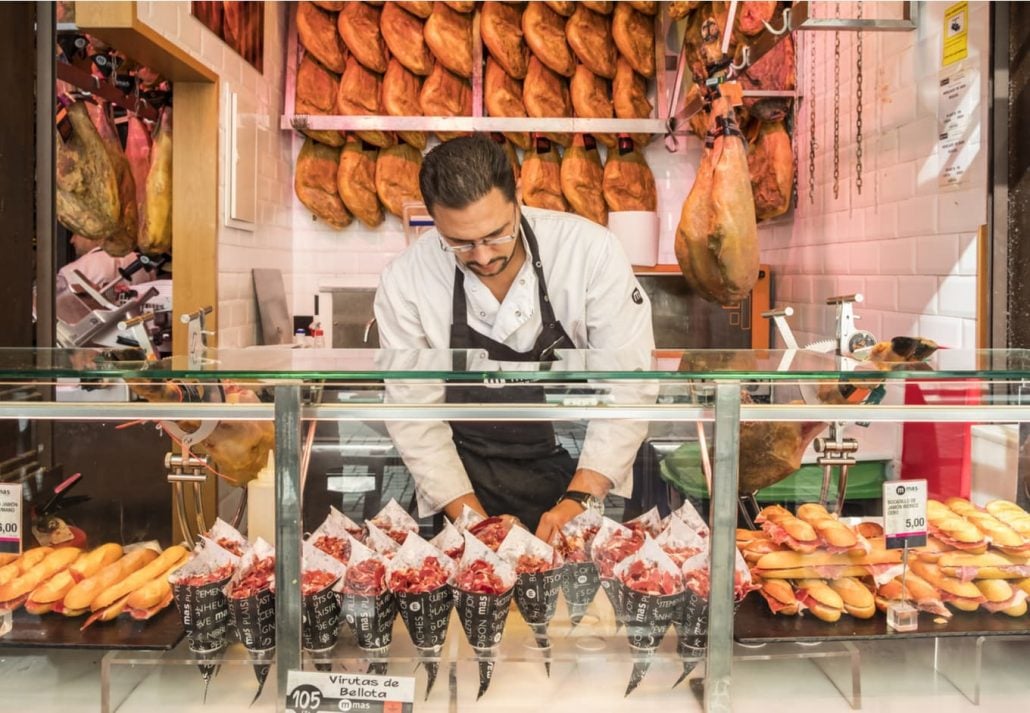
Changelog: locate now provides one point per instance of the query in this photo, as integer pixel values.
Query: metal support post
(723, 523)
(287, 535)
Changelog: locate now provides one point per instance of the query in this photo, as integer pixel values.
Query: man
(518, 284)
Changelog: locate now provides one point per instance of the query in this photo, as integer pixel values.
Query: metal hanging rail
(88, 83)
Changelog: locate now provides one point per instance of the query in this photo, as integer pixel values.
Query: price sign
(10, 519)
(313, 692)
(904, 513)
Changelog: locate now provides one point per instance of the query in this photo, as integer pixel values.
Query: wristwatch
(589, 501)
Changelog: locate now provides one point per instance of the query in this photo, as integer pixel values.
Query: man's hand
(553, 520)
(453, 508)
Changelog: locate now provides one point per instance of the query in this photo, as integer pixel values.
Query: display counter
(341, 419)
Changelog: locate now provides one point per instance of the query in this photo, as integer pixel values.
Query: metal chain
(858, 108)
(836, 109)
(810, 37)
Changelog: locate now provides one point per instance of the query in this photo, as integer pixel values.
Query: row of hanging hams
(357, 179)
(118, 195)
(564, 59)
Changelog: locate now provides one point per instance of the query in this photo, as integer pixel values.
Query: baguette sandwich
(952, 529)
(1012, 515)
(1001, 536)
(79, 598)
(917, 590)
(788, 564)
(961, 595)
(820, 599)
(834, 535)
(779, 595)
(14, 593)
(46, 595)
(966, 566)
(143, 593)
(858, 600)
(786, 529)
(21, 564)
(1000, 596)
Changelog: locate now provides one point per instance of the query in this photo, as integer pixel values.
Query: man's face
(492, 216)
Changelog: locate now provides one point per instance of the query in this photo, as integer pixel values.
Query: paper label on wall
(904, 513)
(958, 123)
(956, 34)
(10, 519)
(313, 692)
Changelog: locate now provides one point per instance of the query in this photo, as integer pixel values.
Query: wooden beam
(118, 24)
(195, 205)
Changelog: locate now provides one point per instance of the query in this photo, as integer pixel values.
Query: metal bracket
(835, 451)
(187, 469)
(848, 338)
(196, 336)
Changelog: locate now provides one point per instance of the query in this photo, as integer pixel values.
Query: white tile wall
(906, 243)
(270, 244)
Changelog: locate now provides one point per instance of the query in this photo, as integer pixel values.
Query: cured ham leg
(717, 236)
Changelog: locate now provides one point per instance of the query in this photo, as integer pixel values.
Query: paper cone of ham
(334, 535)
(483, 588)
(395, 521)
(251, 594)
(319, 604)
(228, 537)
(690, 516)
(650, 523)
(491, 531)
(468, 518)
(613, 544)
(580, 580)
(368, 606)
(450, 541)
(538, 571)
(651, 592)
(420, 577)
(198, 588)
(382, 543)
(691, 622)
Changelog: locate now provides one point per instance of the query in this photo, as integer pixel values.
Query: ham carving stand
(835, 451)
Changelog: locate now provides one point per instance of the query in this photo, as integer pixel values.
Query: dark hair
(463, 170)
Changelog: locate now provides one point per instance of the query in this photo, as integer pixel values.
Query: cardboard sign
(10, 519)
(312, 692)
(904, 513)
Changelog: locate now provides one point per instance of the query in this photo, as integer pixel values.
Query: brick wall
(906, 244)
(270, 243)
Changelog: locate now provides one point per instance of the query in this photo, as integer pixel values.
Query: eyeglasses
(470, 245)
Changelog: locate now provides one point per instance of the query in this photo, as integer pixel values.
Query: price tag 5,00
(10, 519)
(904, 513)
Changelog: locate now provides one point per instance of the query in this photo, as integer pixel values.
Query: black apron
(516, 468)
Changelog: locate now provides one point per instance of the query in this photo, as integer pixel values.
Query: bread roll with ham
(14, 593)
(817, 596)
(789, 564)
(916, 589)
(1012, 515)
(779, 595)
(960, 595)
(858, 600)
(952, 529)
(1000, 596)
(784, 528)
(21, 564)
(966, 566)
(834, 535)
(78, 599)
(1000, 535)
(43, 597)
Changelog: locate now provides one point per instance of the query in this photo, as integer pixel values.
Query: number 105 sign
(904, 513)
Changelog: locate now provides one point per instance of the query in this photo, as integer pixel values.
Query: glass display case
(728, 433)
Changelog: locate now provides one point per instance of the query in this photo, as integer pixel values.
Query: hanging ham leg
(156, 234)
(137, 151)
(87, 187)
(717, 237)
(122, 240)
(771, 162)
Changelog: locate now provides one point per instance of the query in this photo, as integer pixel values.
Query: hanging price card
(313, 692)
(10, 519)
(904, 513)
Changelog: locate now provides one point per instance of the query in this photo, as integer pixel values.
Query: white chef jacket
(595, 296)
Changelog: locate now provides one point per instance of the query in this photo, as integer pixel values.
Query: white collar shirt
(595, 296)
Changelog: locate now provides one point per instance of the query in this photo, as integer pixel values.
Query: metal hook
(786, 24)
(736, 69)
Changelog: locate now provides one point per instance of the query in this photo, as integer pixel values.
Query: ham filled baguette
(917, 590)
(834, 535)
(46, 595)
(858, 600)
(952, 529)
(1000, 535)
(1002, 597)
(1012, 515)
(960, 595)
(788, 564)
(153, 596)
(817, 596)
(14, 593)
(779, 595)
(966, 566)
(157, 567)
(28, 559)
(784, 528)
(81, 596)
